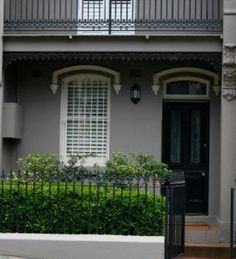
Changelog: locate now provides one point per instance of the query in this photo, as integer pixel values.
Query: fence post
(175, 218)
(231, 222)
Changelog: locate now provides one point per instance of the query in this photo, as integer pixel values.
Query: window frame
(63, 116)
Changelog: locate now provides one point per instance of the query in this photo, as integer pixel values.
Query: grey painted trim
(113, 44)
(230, 12)
(146, 35)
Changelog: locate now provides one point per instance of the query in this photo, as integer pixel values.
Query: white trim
(85, 76)
(159, 75)
(186, 96)
(63, 116)
(63, 124)
(173, 72)
(92, 69)
(57, 73)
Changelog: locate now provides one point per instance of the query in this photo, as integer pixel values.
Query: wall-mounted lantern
(135, 94)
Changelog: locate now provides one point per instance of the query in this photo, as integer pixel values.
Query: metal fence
(233, 224)
(113, 16)
(94, 204)
(175, 224)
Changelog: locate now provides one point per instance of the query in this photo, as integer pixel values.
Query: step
(206, 250)
(203, 231)
(187, 257)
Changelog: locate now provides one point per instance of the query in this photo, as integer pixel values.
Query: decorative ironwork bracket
(212, 60)
(229, 72)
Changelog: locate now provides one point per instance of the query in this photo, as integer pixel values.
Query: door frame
(164, 151)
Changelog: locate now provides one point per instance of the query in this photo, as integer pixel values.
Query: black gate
(233, 224)
(175, 220)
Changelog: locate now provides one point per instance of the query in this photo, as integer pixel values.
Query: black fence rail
(94, 204)
(233, 223)
(113, 16)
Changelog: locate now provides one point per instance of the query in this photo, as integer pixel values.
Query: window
(122, 9)
(186, 87)
(99, 15)
(93, 10)
(85, 112)
(99, 9)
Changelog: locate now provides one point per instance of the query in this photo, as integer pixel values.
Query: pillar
(228, 111)
(1, 73)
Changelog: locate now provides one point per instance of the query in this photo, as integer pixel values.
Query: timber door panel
(185, 148)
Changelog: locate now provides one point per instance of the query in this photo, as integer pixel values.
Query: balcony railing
(113, 16)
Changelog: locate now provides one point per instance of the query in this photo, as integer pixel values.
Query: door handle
(203, 174)
(205, 145)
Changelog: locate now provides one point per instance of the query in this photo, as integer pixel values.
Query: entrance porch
(40, 94)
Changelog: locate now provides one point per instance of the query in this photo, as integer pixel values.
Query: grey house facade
(68, 69)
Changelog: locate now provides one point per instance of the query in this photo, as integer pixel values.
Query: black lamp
(135, 94)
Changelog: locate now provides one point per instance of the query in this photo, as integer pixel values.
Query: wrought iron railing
(113, 16)
(93, 204)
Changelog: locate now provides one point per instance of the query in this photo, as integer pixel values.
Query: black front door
(185, 149)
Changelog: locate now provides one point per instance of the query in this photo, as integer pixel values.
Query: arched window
(85, 117)
(186, 83)
(186, 88)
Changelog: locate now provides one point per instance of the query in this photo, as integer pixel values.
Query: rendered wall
(132, 127)
(1, 74)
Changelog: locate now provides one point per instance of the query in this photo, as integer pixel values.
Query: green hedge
(80, 209)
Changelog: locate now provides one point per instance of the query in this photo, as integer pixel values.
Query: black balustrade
(113, 16)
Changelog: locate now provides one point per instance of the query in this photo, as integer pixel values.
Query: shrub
(47, 167)
(39, 166)
(137, 165)
(76, 208)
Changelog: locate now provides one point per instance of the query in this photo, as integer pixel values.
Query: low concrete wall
(81, 246)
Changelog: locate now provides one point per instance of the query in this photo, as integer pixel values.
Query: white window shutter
(88, 120)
